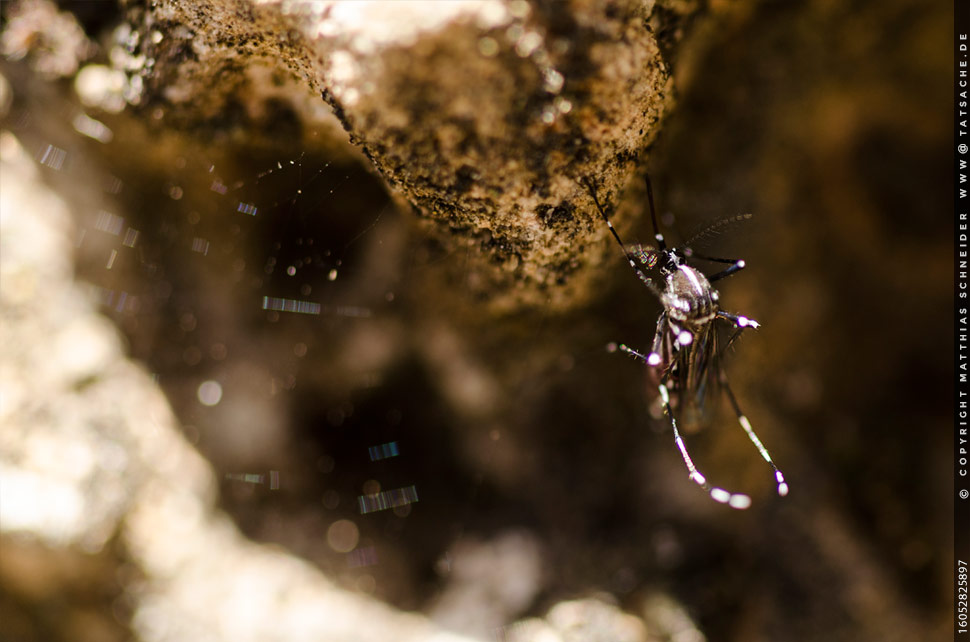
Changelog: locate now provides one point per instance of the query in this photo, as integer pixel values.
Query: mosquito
(685, 348)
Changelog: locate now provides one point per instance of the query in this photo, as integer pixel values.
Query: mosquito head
(669, 260)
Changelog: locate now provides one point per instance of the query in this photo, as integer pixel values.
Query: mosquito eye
(647, 257)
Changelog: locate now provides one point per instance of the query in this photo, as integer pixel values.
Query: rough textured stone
(824, 120)
(483, 115)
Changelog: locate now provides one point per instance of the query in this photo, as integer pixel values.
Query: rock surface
(262, 279)
(483, 115)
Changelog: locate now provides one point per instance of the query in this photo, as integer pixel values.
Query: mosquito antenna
(653, 215)
(717, 227)
(592, 192)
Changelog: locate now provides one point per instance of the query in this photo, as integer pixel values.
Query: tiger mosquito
(685, 344)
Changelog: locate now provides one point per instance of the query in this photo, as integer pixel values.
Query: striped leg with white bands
(734, 500)
(779, 477)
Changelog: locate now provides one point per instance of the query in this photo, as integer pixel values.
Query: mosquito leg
(741, 323)
(655, 358)
(779, 477)
(734, 500)
(661, 243)
(739, 320)
(631, 256)
(727, 344)
(633, 353)
(647, 281)
(735, 264)
(692, 254)
(738, 265)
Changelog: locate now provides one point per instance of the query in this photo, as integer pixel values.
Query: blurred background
(482, 470)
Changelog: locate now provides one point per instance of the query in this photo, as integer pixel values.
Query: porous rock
(483, 115)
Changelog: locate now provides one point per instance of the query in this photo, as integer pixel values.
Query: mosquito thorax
(689, 297)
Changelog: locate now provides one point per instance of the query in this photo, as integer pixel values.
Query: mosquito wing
(694, 377)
